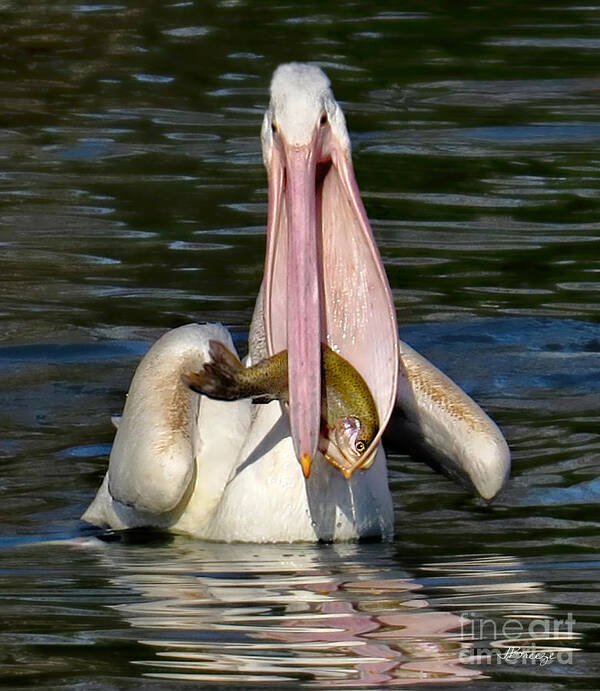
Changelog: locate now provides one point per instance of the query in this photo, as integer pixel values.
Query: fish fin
(218, 378)
(222, 357)
(199, 382)
(264, 398)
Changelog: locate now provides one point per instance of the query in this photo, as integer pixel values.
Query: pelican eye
(360, 446)
(324, 120)
(274, 127)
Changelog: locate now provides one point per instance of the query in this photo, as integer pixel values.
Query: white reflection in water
(336, 615)
(506, 618)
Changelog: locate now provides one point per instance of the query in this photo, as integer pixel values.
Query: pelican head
(324, 279)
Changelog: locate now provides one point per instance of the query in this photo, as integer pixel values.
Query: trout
(349, 420)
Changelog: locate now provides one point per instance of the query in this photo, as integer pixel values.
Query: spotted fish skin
(345, 393)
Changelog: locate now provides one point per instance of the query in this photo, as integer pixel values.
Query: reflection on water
(338, 616)
(333, 614)
(133, 200)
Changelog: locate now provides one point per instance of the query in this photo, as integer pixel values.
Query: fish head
(347, 444)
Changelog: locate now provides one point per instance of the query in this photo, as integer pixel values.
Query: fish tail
(220, 378)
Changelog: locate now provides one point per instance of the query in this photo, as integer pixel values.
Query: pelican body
(235, 470)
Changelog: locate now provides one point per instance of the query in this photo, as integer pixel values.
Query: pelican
(239, 471)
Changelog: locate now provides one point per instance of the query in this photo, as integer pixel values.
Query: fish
(349, 415)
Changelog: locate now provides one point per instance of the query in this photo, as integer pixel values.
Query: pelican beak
(324, 279)
(294, 291)
(306, 463)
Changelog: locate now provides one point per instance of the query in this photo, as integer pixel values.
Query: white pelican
(229, 470)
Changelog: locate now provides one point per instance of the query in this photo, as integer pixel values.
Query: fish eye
(324, 120)
(360, 446)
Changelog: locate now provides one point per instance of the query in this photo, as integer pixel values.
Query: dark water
(133, 200)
